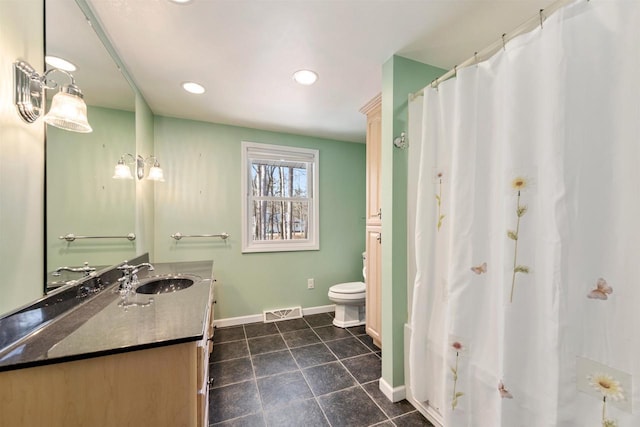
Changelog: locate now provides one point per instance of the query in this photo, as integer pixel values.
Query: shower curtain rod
(527, 26)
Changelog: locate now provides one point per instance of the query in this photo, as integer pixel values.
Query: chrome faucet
(84, 269)
(129, 277)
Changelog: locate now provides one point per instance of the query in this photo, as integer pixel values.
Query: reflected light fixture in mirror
(123, 171)
(68, 110)
(156, 173)
(59, 63)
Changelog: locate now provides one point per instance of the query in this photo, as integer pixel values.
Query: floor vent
(282, 314)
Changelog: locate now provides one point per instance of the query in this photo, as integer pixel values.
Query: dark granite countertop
(102, 324)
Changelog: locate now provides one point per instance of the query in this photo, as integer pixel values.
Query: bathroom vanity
(107, 359)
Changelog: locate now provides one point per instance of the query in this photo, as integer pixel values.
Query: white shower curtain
(527, 296)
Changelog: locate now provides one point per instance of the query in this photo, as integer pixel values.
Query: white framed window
(280, 198)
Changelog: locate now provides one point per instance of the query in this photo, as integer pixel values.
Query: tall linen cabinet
(373, 111)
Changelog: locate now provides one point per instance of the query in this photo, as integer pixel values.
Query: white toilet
(349, 299)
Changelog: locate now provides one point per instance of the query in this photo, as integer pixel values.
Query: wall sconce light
(123, 171)
(68, 110)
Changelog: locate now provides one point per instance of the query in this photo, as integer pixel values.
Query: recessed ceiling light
(181, 1)
(305, 77)
(59, 63)
(193, 87)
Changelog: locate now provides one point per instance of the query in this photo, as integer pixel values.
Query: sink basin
(166, 284)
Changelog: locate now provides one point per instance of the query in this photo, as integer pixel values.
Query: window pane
(280, 198)
(279, 179)
(280, 220)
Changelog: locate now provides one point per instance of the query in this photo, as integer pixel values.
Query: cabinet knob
(379, 238)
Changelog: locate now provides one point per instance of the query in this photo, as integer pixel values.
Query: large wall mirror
(82, 198)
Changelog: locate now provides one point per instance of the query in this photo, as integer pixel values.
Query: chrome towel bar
(178, 235)
(71, 237)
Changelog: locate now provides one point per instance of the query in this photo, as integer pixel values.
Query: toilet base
(347, 316)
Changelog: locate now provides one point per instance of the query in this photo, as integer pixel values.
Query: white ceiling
(245, 51)
(69, 36)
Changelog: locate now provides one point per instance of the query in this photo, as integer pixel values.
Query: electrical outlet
(310, 284)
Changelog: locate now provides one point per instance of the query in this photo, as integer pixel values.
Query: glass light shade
(60, 63)
(156, 173)
(68, 112)
(122, 171)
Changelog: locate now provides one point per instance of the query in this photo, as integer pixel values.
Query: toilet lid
(349, 288)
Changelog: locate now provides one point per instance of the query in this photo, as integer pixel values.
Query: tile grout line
(388, 418)
(255, 377)
(315, 398)
(288, 347)
(352, 376)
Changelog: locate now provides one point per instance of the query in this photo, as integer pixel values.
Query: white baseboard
(394, 394)
(253, 318)
(235, 321)
(320, 309)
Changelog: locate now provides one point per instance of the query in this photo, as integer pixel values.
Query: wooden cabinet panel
(153, 387)
(162, 386)
(205, 349)
(373, 110)
(374, 297)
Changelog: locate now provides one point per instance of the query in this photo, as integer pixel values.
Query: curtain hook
(475, 55)
(541, 18)
(455, 71)
(504, 45)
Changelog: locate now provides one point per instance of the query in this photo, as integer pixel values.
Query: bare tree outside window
(281, 204)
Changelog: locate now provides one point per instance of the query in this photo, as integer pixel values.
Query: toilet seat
(349, 288)
(348, 293)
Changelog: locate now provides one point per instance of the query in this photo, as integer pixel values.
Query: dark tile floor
(300, 372)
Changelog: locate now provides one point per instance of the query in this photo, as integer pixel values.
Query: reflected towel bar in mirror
(178, 235)
(71, 237)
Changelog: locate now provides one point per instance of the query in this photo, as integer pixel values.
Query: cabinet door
(373, 161)
(373, 281)
(205, 347)
(212, 303)
(202, 400)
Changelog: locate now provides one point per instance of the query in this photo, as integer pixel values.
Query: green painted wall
(145, 190)
(82, 196)
(21, 161)
(400, 77)
(202, 194)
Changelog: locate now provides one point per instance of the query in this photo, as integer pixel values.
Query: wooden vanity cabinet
(373, 111)
(159, 386)
(155, 387)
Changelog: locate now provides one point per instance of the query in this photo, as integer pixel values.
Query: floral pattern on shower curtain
(527, 293)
